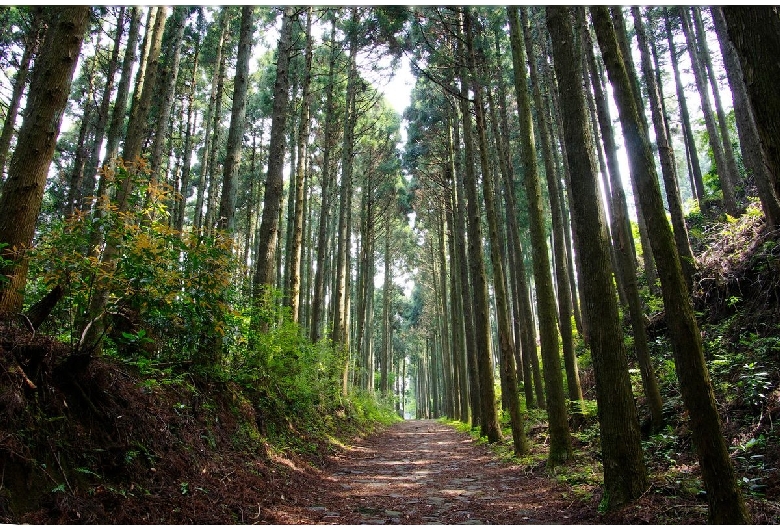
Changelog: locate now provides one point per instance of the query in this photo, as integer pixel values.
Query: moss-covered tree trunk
(31, 43)
(723, 493)
(665, 152)
(564, 288)
(488, 417)
(716, 143)
(697, 181)
(459, 219)
(560, 438)
(755, 32)
(22, 194)
(622, 237)
(749, 140)
(304, 126)
(625, 475)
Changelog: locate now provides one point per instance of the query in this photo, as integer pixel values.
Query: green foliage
(175, 312)
(4, 262)
(158, 297)
(742, 375)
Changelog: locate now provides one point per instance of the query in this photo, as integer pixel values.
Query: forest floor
(426, 472)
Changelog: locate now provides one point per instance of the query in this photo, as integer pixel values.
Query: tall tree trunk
(755, 32)
(210, 156)
(723, 493)
(31, 43)
(340, 334)
(456, 295)
(560, 439)
(565, 310)
(384, 357)
(122, 93)
(227, 206)
(186, 170)
(622, 39)
(459, 218)
(524, 331)
(208, 120)
(505, 338)
(749, 140)
(732, 172)
(265, 267)
(449, 405)
(22, 194)
(304, 126)
(489, 420)
(80, 159)
(622, 241)
(665, 153)
(625, 475)
(91, 168)
(166, 91)
(137, 125)
(318, 298)
(693, 156)
(726, 180)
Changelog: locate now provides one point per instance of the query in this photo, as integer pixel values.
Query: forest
(236, 277)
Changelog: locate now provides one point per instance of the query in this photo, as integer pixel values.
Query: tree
(488, 418)
(697, 182)
(716, 142)
(723, 493)
(625, 475)
(668, 168)
(564, 288)
(560, 439)
(31, 42)
(622, 237)
(227, 206)
(22, 194)
(265, 268)
(304, 126)
(755, 32)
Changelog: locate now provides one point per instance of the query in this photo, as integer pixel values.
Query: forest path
(422, 471)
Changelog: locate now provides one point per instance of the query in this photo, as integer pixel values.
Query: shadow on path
(422, 471)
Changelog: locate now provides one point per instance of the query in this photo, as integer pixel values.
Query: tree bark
(623, 241)
(731, 172)
(698, 190)
(560, 439)
(749, 141)
(564, 288)
(137, 125)
(755, 32)
(122, 93)
(227, 206)
(665, 153)
(304, 126)
(625, 475)
(318, 298)
(726, 180)
(31, 44)
(91, 168)
(723, 493)
(459, 217)
(166, 90)
(22, 194)
(265, 268)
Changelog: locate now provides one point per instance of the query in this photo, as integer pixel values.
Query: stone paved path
(424, 472)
